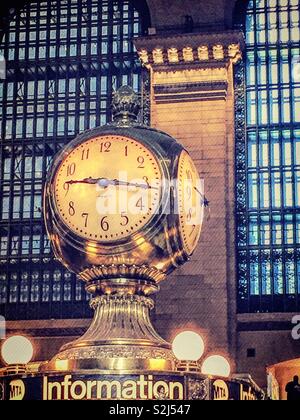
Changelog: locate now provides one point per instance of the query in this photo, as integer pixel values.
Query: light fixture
(188, 347)
(216, 366)
(17, 350)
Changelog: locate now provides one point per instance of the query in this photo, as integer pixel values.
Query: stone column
(192, 98)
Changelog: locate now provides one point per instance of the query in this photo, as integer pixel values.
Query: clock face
(190, 202)
(108, 188)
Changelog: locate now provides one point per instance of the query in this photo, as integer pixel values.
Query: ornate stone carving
(203, 53)
(218, 52)
(188, 54)
(202, 48)
(206, 58)
(158, 56)
(173, 55)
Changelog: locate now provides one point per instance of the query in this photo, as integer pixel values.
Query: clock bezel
(144, 232)
(182, 244)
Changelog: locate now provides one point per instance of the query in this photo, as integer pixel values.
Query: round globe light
(188, 346)
(17, 350)
(216, 366)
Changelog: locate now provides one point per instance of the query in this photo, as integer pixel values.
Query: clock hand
(89, 180)
(131, 184)
(104, 182)
(204, 200)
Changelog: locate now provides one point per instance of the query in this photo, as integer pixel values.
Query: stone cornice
(202, 49)
(186, 92)
(194, 39)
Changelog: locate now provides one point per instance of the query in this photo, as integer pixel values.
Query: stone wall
(193, 101)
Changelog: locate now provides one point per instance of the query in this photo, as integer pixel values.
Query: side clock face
(108, 188)
(190, 202)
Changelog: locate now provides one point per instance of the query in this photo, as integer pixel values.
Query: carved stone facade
(192, 98)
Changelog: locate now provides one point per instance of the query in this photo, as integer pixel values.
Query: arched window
(64, 59)
(268, 172)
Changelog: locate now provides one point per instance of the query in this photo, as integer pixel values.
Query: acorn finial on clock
(126, 105)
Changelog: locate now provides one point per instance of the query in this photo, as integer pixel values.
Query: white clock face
(190, 198)
(108, 188)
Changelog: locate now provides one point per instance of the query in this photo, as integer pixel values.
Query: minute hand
(132, 184)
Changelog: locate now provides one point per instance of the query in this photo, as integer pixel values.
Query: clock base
(121, 337)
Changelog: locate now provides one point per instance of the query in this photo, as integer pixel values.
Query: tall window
(269, 219)
(64, 59)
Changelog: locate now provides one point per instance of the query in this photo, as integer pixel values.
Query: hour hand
(100, 182)
(89, 180)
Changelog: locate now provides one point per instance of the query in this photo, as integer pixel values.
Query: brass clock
(123, 195)
(123, 208)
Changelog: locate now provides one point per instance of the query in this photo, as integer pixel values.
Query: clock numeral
(141, 161)
(86, 217)
(188, 192)
(66, 187)
(194, 241)
(71, 208)
(105, 147)
(189, 174)
(104, 224)
(193, 230)
(189, 215)
(140, 204)
(71, 169)
(85, 154)
(126, 151)
(146, 179)
(125, 219)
